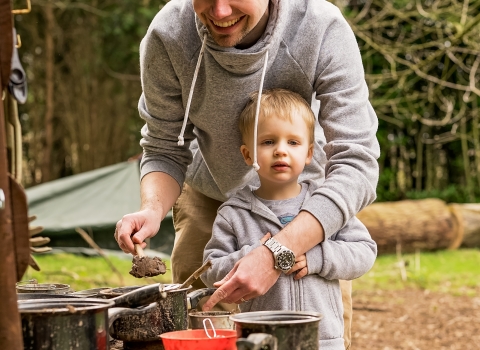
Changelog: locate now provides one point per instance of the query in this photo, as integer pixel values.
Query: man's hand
(300, 268)
(159, 191)
(135, 228)
(252, 276)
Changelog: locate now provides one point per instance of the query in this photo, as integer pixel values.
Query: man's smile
(227, 23)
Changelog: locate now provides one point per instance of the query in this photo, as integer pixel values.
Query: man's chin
(227, 40)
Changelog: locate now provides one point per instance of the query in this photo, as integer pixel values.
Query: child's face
(283, 149)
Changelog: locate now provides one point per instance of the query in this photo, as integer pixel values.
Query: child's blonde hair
(278, 103)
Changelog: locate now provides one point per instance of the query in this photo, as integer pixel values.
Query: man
(200, 60)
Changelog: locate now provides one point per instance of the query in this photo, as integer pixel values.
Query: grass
(88, 272)
(455, 272)
(450, 271)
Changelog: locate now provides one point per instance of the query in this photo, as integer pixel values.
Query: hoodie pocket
(335, 296)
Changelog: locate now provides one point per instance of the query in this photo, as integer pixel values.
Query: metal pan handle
(141, 296)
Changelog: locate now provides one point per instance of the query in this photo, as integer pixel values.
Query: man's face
(233, 22)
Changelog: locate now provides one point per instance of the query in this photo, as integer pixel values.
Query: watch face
(285, 260)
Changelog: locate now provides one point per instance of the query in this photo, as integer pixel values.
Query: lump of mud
(144, 266)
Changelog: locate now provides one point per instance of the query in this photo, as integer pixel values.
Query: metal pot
(41, 294)
(277, 330)
(32, 286)
(81, 324)
(91, 293)
(70, 323)
(171, 314)
(219, 319)
(29, 296)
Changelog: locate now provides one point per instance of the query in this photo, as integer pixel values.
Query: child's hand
(264, 238)
(300, 268)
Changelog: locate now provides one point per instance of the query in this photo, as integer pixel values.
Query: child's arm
(223, 251)
(348, 254)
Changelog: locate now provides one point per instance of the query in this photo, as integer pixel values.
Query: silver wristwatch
(284, 257)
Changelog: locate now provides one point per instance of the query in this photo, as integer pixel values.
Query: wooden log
(427, 225)
(469, 215)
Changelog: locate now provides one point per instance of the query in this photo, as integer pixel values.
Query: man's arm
(159, 191)
(348, 254)
(224, 251)
(303, 233)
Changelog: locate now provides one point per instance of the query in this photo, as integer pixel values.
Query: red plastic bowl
(197, 339)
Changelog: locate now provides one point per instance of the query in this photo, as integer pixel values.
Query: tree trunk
(428, 224)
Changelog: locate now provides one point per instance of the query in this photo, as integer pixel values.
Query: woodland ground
(414, 319)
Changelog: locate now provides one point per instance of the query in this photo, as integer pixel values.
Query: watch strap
(273, 245)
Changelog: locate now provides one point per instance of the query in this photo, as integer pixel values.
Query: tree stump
(426, 225)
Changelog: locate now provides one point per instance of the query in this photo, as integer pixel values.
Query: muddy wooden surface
(415, 320)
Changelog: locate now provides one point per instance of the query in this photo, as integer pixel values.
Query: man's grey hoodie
(311, 50)
(348, 254)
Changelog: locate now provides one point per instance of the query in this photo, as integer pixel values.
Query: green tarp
(94, 201)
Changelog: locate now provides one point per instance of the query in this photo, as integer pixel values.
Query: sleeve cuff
(149, 166)
(314, 260)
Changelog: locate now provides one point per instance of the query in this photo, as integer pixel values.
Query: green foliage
(121, 32)
(451, 194)
(449, 271)
(421, 60)
(88, 272)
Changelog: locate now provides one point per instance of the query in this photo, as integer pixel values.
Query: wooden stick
(94, 245)
(139, 250)
(401, 262)
(196, 274)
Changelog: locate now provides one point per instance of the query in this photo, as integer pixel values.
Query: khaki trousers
(193, 216)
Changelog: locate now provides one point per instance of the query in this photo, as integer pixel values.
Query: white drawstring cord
(257, 112)
(197, 68)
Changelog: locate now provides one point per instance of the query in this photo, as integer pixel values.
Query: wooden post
(10, 325)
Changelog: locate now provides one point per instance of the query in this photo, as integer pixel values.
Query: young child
(282, 148)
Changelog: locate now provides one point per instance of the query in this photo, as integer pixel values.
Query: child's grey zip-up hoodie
(241, 223)
(311, 51)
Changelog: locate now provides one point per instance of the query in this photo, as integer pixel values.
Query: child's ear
(308, 160)
(246, 154)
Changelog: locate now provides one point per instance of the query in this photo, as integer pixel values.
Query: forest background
(421, 62)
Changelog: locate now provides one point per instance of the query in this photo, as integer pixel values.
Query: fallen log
(425, 225)
(469, 215)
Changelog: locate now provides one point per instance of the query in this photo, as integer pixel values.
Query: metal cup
(219, 319)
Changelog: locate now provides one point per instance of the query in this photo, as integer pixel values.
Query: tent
(94, 201)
